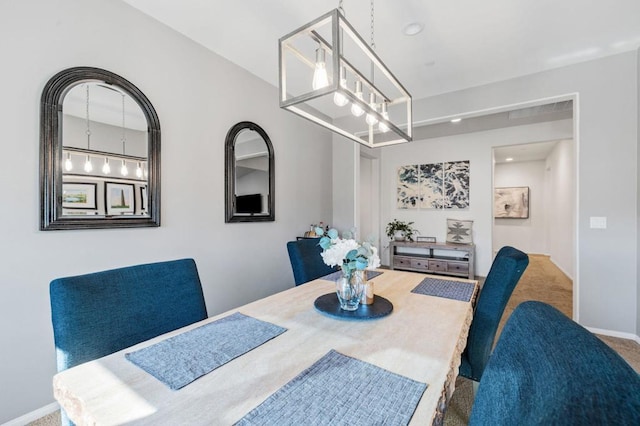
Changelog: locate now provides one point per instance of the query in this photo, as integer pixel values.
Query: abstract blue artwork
(431, 185)
(456, 185)
(434, 186)
(408, 190)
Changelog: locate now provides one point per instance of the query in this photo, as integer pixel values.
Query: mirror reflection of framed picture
(79, 195)
(143, 199)
(119, 198)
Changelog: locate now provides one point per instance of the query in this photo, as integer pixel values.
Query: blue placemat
(457, 290)
(340, 390)
(181, 359)
(335, 275)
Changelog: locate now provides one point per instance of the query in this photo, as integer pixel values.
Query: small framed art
(422, 239)
(79, 195)
(119, 198)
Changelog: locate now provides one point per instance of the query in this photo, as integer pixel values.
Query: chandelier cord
(124, 139)
(373, 43)
(88, 125)
(340, 8)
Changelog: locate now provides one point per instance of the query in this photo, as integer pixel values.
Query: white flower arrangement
(347, 253)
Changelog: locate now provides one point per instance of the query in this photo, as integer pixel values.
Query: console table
(433, 258)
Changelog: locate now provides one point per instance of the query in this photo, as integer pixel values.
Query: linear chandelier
(70, 154)
(329, 75)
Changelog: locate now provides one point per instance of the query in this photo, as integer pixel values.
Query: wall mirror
(99, 153)
(249, 174)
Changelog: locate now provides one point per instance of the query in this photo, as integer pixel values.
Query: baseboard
(629, 336)
(561, 269)
(34, 415)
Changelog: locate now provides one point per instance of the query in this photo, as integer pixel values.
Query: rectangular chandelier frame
(303, 100)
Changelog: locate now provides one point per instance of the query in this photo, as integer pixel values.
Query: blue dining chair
(548, 370)
(306, 262)
(96, 314)
(505, 272)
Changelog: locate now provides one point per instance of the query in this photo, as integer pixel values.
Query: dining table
(417, 337)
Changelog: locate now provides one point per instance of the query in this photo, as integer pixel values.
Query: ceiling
(525, 152)
(562, 110)
(464, 43)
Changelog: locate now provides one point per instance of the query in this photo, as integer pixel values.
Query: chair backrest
(505, 272)
(547, 370)
(100, 313)
(306, 262)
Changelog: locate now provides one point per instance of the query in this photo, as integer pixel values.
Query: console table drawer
(420, 264)
(458, 267)
(438, 265)
(401, 262)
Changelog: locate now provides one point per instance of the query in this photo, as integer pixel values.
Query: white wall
(638, 189)
(528, 235)
(607, 162)
(198, 97)
(475, 147)
(345, 183)
(560, 188)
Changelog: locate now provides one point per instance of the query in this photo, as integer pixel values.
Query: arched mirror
(99, 153)
(249, 174)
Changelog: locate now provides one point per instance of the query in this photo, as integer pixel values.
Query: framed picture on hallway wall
(511, 203)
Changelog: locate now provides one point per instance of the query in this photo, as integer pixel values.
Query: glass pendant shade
(106, 169)
(383, 111)
(320, 77)
(139, 170)
(68, 164)
(338, 98)
(88, 167)
(356, 109)
(371, 119)
(123, 170)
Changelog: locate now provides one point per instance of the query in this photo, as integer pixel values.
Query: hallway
(542, 281)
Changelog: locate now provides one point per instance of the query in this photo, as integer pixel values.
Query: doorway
(545, 172)
(369, 199)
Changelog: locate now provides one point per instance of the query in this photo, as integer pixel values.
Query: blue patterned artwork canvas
(434, 186)
(456, 185)
(408, 190)
(431, 185)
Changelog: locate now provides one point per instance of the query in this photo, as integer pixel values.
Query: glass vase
(349, 290)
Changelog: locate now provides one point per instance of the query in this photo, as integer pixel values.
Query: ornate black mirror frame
(51, 146)
(230, 176)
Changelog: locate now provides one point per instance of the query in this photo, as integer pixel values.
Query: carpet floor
(541, 281)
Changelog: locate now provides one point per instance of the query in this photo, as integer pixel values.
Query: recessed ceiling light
(508, 159)
(456, 120)
(413, 28)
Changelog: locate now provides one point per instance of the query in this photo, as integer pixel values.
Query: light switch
(598, 222)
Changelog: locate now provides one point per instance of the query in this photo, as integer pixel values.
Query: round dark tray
(328, 304)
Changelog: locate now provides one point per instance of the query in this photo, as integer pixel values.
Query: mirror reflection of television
(249, 204)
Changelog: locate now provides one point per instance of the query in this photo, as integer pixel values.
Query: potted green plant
(399, 230)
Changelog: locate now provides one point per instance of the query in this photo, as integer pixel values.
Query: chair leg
(475, 385)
